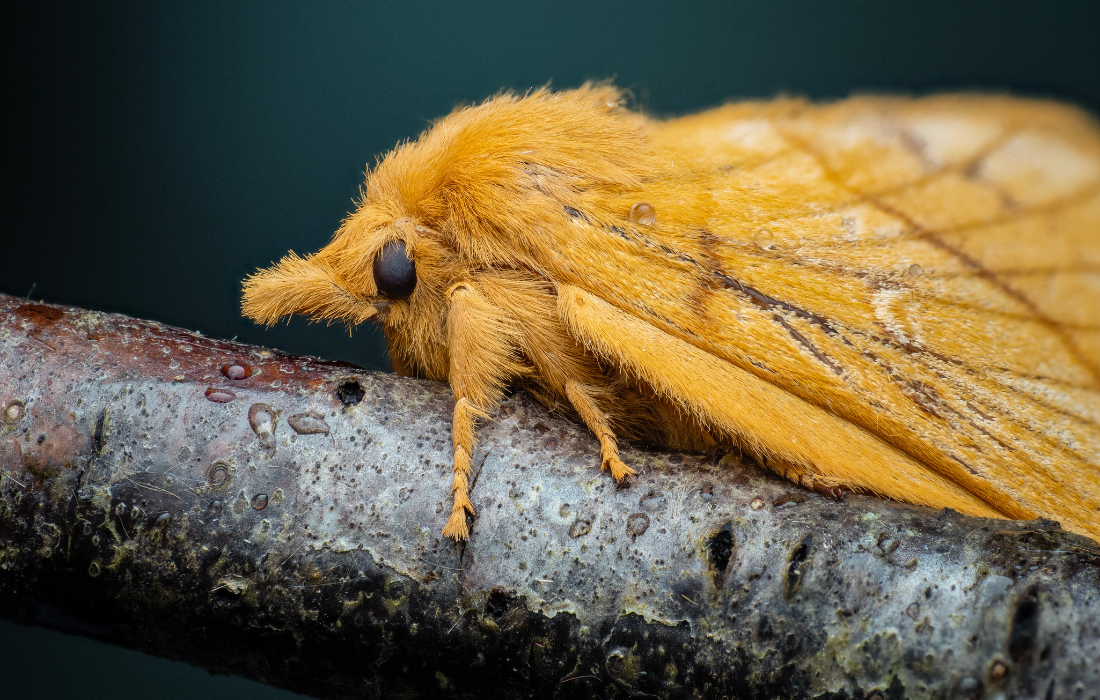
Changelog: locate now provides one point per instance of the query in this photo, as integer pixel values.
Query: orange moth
(896, 296)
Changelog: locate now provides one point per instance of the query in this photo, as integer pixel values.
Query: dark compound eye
(394, 272)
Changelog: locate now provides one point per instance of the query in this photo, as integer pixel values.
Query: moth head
(474, 193)
(375, 269)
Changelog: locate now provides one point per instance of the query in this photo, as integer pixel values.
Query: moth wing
(787, 431)
(928, 270)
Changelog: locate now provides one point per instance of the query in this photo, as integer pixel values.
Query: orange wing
(926, 269)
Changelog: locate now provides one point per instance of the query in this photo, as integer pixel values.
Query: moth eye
(394, 272)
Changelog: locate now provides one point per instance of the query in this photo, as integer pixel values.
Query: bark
(279, 517)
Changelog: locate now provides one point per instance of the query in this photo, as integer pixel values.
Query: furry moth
(897, 296)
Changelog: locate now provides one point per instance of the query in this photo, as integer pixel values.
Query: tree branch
(279, 517)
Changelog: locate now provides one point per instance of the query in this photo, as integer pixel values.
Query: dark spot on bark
(1025, 623)
(720, 545)
(791, 646)
(259, 501)
(796, 570)
(350, 392)
(896, 690)
(100, 434)
(498, 604)
(764, 628)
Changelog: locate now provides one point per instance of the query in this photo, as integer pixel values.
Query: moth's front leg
(483, 358)
(597, 423)
(462, 434)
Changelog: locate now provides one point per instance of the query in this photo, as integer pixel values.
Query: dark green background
(163, 151)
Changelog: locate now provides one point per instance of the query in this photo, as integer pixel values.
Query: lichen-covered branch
(279, 517)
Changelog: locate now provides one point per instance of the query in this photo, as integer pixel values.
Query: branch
(279, 517)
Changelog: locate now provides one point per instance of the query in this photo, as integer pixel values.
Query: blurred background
(163, 151)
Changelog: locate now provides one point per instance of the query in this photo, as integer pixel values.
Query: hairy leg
(597, 423)
(483, 359)
(462, 434)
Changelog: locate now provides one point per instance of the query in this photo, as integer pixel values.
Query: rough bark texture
(279, 517)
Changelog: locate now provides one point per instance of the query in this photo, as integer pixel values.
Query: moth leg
(462, 434)
(482, 360)
(807, 478)
(597, 423)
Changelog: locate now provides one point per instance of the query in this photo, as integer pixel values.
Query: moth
(889, 295)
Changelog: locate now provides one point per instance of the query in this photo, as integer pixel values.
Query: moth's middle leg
(597, 423)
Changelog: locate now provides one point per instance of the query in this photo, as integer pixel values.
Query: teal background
(163, 151)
